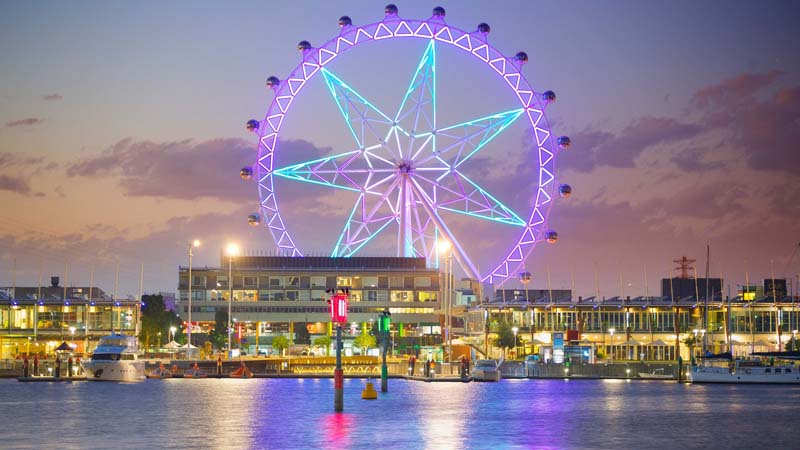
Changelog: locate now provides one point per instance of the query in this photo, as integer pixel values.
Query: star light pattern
(405, 168)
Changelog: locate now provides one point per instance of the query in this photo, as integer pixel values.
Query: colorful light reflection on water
(298, 413)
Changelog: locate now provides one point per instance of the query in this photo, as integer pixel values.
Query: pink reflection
(336, 427)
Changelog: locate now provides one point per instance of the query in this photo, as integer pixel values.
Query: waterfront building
(37, 319)
(276, 295)
(640, 328)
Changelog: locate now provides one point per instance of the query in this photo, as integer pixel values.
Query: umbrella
(64, 347)
(188, 346)
(659, 343)
(172, 345)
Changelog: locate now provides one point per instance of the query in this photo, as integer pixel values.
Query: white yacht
(486, 370)
(115, 359)
(745, 371)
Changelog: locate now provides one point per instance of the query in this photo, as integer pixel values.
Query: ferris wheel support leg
(404, 245)
(461, 256)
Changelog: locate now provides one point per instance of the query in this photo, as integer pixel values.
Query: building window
(402, 296)
(396, 282)
(344, 281)
(251, 281)
(305, 282)
(422, 282)
(292, 282)
(383, 282)
(369, 282)
(275, 281)
(318, 282)
(198, 280)
(317, 295)
(355, 296)
(292, 295)
(371, 296)
(222, 281)
(427, 296)
(198, 295)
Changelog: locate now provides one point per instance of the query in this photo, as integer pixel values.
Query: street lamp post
(611, 333)
(232, 251)
(515, 329)
(172, 331)
(446, 247)
(72, 332)
(695, 331)
(194, 244)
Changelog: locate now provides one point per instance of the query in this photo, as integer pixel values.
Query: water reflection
(291, 413)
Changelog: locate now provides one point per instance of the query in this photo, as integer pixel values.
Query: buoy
(369, 392)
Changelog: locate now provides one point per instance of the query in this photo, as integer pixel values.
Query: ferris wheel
(405, 166)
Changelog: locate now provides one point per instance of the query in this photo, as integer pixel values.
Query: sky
(122, 134)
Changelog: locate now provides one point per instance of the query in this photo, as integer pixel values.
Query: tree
(792, 345)
(505, 337)
(219, 336)
(324, 341)
(155, 319)
(280, 343)
(365, 342)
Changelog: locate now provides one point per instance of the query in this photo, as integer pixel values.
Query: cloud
(185, 169)
(767, 127)
(18, 185)
(25, 122)
(53, 97)
(599, 147)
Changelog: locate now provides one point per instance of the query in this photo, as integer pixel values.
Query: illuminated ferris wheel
(406, 166)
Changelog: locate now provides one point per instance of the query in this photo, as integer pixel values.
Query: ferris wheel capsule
(252, 125)
(549, 97)
(525, 277)
(564, 142)
(253, 220)
(303, 46)
(439, 11)
(273, 82)
(521, 57)
(390, 10)
(565, 190)
(551, 237)
(484, 28)
(345, 21)
(246, 173)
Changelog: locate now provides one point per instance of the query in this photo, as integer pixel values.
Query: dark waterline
(298, 413)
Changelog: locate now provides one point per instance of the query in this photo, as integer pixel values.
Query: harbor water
(298, 413)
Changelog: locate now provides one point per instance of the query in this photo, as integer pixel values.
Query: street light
(172, 331)
(611, 332)
(445, 247)
(195, 243)
(794, 339)
(695, 331)
(232, 250)
(515, 329)
(72, 332)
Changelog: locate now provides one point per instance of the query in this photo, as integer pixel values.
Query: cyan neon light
(416, 155)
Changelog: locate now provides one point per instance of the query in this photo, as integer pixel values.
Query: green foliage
(155, 319)
(505, 337)
(365, 342)
(280, 343)
(793, 345)
(219, 336)
(325, 342)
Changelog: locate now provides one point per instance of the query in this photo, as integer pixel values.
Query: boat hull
(742, 377)
(123, 371)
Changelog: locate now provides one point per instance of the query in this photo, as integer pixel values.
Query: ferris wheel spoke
(458, 250)
(457, 143)
(343, 171)
(455, 192)
(370, 215)
(417, 111)
(368, 125)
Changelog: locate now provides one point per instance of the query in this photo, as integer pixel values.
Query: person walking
(219, 364)
(25, 366)
(35, 365)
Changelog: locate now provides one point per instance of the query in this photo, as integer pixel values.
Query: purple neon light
(432, 29)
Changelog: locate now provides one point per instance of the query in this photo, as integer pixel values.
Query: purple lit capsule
(549, 97)
(565, 190)
(551, 237)
(252, 125)
(564, 142)
(484, 28)
(521, 57)
(390, 10)
(439, 11)
(303, 46)
(273, 82)
(253, 220)
(345, 21)
(246, 173)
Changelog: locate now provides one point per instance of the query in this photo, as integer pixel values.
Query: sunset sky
(122, 133)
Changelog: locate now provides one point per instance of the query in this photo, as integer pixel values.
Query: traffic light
(385, 321)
